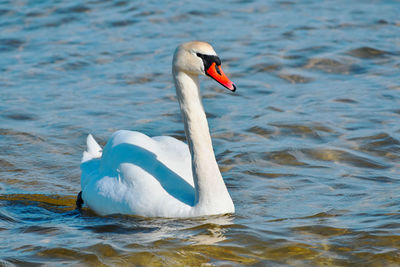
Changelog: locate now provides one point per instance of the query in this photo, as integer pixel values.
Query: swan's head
(199, 58)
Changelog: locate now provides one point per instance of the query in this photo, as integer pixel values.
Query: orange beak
(215, 72)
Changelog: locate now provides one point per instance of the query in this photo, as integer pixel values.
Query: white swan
(162, 176)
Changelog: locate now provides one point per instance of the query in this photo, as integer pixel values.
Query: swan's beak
(215, 72)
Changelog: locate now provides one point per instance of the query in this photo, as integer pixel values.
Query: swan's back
(137, 174)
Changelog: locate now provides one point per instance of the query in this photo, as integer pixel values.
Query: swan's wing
(138, 174)
(176, 155)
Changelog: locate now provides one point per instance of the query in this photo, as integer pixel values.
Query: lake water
(309, 145)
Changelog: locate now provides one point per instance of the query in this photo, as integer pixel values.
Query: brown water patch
(195, 254)
(294, 251)
(225, 168)
(5, 165)
(284, 157)
(345, 100)
(322, 215)
(264, 67)
(192, 255)
(321, 230)
(229, 136)
(143, 79)
(381, 179)
(367, 52)
(377, 250)
(265, 174)
(266, 133)
(104, 250)
(336, 155)
(311, 130)
(329, 65)
(59, 254)
(275, 109)
(20, 117)
(297, 128)
(18, 182)
(52, 202)
(294, 78)
(381, 144)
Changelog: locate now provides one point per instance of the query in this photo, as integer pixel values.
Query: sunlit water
(309, 146)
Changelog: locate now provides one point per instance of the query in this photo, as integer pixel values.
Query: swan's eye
(208, 60)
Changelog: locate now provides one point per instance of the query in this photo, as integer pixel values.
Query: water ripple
(309, 144)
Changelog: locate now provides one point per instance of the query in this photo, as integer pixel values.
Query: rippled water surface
(309, 146)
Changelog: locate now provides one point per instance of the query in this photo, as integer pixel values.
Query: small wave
(367, 52)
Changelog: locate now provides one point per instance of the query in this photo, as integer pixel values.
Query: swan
(161, 176)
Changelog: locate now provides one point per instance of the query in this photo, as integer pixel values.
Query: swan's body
(162, 176)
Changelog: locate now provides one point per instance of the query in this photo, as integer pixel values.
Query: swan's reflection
(202, 230)
(214, 236)
(213, 230)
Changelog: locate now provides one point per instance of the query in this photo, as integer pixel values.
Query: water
(309, 146)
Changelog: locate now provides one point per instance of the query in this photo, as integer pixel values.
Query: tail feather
(90, 164)
(93, 149)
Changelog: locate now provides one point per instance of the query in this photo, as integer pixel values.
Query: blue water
(309, 145)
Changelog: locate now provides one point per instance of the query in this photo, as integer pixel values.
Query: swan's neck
(211, 192)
